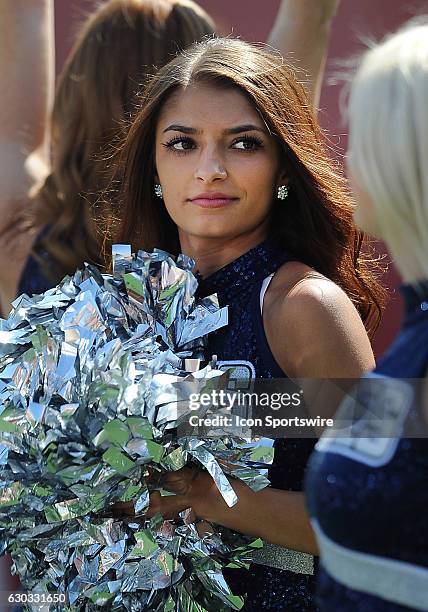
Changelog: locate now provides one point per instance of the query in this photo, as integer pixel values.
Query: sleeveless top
(243, 341)
(369, 509)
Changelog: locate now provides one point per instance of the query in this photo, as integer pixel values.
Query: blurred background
(252, 20)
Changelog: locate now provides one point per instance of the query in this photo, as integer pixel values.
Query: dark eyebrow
(180, 128)
(247, 127)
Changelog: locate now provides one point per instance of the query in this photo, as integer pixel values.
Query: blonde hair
(388, 112)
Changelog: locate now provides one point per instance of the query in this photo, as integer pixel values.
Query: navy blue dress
(238, 285)
(369, 502)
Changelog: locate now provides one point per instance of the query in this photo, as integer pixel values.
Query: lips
(213, 200)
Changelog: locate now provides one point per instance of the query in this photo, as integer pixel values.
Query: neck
(214, 253)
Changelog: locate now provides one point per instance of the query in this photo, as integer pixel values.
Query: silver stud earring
(282, 192)
(158, 191)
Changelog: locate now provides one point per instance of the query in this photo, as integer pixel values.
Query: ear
(156, 177)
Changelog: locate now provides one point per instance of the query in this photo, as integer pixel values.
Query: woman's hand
(192, 488)
(276, 516)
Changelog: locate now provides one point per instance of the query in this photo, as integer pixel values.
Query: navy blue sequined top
(369, 502)
(33, 280)
(238, 285)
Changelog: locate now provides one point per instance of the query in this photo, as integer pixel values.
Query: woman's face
(216, 162)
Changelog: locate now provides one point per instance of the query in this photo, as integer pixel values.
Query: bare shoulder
(312, 326)
(301, 291)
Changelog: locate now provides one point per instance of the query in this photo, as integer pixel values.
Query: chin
(212, 230)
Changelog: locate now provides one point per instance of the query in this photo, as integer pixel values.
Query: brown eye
(247, 143)
(180, 144)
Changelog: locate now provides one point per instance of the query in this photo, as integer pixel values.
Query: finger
(10, 228)
(11, 217)
(27, 225)
(204, 528)
(153, 477)
(155, 503)
(181, 479)
(123, 509)
(168, 506)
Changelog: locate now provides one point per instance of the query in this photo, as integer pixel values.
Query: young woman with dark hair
(226, 163)
(120, 44)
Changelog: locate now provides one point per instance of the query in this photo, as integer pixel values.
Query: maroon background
(252, 20)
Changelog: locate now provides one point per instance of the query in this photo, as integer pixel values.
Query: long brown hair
(315, 224)
(121, 43)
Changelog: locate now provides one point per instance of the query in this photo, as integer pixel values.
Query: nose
(210, 167)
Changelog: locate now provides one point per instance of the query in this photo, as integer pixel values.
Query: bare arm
(271, 514)
(27, 78)
(301, 33)
(27, 82)
(321, 336)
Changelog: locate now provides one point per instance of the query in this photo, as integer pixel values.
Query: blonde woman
(368, 503)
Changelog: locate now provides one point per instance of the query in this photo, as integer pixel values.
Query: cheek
(258, 180)
(166, 168)
(172, 176)
(364, 212)
(172, 202)
(361, 217)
